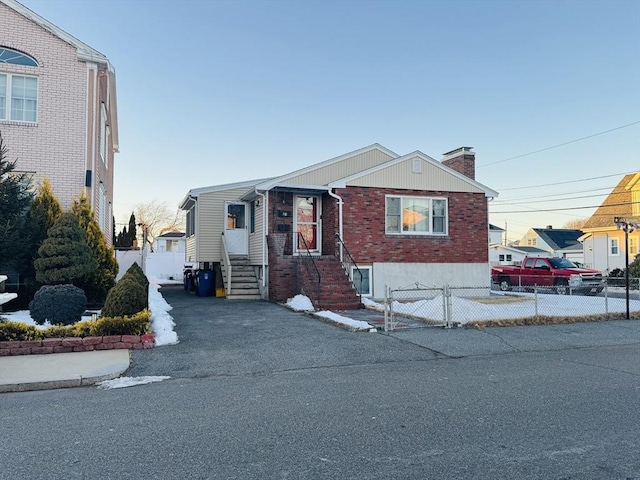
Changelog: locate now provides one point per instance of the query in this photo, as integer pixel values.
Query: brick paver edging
(75, 344)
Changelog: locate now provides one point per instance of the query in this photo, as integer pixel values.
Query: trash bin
(204, 283)
(188, 280)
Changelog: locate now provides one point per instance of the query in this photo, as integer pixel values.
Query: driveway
(221, 337)
(236, 337)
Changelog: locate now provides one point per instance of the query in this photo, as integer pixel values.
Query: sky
(215, 92)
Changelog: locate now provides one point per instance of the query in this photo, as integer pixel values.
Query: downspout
(265, 232)
(340, 232)
(94, 71)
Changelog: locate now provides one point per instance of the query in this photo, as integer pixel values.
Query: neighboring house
(402, 220)
(604, 243)
(513, 255)
(58, 114)
(560, 242)
(495, 234)
(174, 242)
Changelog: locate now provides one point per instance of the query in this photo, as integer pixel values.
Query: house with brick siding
(58, 110)
(348, 226)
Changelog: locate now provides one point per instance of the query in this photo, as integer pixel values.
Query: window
(18, 97)
(531, 242)
(615, 247)
(507, 257)
(501, 258)
(416, 215)
(104, 134)
(363, 285)
(191, 221)
(172, 245)
(633, 246)
(102, 206)
(14, 57)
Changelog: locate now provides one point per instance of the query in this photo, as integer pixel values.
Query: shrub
(138, 273)
(127, 297)
(137, 324)
(60, 304)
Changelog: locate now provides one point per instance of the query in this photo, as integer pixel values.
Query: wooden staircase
(335, 291)
(243, 281)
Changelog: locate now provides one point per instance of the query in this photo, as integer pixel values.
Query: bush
(138, 273)
(138, 324)
(127, 297)
(60, 304)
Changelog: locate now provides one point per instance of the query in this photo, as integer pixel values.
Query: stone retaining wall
(75, 344)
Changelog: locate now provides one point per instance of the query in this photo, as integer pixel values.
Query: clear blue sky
(212, 92)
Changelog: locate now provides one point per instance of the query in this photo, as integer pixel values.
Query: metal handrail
(352, 262)
(226, 263)
(313, 263)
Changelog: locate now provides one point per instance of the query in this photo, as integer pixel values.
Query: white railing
(226, 263)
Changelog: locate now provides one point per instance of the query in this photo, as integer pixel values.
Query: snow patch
(300, 303)
(124, 382)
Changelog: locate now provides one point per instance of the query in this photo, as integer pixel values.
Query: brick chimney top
(549, 227)
(462, 160)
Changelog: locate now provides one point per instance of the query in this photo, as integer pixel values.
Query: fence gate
(415, 307)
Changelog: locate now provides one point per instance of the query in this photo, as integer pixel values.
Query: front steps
(335, 292)
(244, 284)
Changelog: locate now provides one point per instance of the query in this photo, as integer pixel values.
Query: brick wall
(61, 144)
(365, 237)
(75, 344)
(282, 269)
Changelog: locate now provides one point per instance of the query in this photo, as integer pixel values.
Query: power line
(569, 181)
(494, 202)
(560, 144)
(568, 208)
(554, 199)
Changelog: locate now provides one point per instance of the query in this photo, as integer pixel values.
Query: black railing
(351, 262)
(307, 259)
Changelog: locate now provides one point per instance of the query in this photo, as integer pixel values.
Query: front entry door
(307, 223)
(235, 228)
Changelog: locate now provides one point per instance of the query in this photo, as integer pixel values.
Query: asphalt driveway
(236, 337)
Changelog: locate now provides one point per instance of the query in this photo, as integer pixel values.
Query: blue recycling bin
(204, 283)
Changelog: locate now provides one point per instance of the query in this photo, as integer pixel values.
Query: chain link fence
(450, 306)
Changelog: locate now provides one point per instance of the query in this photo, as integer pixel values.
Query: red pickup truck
(557, 273)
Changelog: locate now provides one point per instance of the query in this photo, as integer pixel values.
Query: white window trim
(413, 233)
(370, 282)
(7, 96)
(103, 134)
(617, 244)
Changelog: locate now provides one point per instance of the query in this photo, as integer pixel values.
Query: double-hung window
(416, 215)
(18, 93)
(615, 247)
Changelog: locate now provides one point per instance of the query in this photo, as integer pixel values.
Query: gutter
(340, 204)
(265, 232)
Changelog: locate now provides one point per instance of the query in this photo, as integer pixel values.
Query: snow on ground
(161, 322)
(124, 382)
(464, 310)
(346, 321)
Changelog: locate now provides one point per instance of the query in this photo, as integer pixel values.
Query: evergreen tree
(44, 212)
(131, 237)
(103, 278)
(15, 198)
(64, 256)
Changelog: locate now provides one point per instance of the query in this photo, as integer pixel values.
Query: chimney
(462, 160)
(549, 227)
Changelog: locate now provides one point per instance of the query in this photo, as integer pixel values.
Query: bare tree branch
(158, 218)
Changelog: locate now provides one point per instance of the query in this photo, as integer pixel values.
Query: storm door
(235, 228)
(307, 224)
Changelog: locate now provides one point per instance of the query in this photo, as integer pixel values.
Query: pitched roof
(617, 204)
(495, 228)
(171, 235)
(559, 238)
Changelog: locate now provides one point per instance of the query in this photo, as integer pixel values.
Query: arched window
(7, 55)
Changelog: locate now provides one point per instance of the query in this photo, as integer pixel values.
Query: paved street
(261, 393)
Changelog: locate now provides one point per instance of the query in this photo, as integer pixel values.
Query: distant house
(495, 234)
(513, 254)
(559, 242)
(603, 242)
(170, 242)
(370, 216)
(58, 109)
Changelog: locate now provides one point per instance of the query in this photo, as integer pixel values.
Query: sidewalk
(59, 370)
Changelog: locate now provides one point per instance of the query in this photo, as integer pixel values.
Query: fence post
(535, 299)
(606, 300)
(387, 307)
(446, 297)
